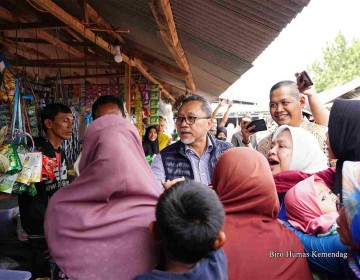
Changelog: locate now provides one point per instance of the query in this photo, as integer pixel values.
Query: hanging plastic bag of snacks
(7, 181)
(10, 152)
(32, 167)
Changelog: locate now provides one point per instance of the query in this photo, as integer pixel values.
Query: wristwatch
(246, 143)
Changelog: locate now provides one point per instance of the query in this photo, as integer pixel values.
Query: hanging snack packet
(32, 167)
(154, 103)
(10, 152)
(154, 112)
(48, 167)
(154, 120)
(8, 182)
(154, 96)
(32, 190)
(19, 188)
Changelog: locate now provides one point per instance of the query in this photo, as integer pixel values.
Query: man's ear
(154, 231)
(220, 240)
(209, 123)
(48, 123)
(302, 101)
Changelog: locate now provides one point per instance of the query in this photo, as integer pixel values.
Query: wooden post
(127, 96)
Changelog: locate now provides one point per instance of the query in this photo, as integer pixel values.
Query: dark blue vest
(176, 163)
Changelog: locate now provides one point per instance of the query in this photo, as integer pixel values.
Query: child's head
(189, 218)
(311, 206)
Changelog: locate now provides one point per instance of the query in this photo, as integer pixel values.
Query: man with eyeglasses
(195, 154)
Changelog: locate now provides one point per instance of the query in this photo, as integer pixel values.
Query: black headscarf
(150, 147)
(220, 129)
(344, 135)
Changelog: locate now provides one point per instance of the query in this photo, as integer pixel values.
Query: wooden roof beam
(173, 88)
(77, 77)
(101, 22)
(164, 18)
(21, 47)
(30, 63)
(161, 65)
(29, 26)
(76, 25)
(9, 16)
(73, 34)
(74, 60)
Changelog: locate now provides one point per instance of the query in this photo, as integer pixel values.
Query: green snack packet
(19, 188)
(10, 152)
(154, 96)
(32, 190)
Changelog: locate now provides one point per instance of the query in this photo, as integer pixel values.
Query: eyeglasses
(339, 204)
(189, 120)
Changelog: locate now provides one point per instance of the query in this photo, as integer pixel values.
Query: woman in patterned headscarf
(349, 219)
(344, 140)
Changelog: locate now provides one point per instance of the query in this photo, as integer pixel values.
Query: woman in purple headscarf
(96, 227)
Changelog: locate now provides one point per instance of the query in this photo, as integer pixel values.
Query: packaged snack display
(154, 104)
(10, 152)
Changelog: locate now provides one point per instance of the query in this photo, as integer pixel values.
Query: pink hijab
(96, 228)
(303, 211)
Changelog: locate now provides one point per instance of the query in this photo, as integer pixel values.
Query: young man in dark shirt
(57, 123)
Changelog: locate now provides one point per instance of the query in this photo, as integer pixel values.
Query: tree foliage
(340, 64)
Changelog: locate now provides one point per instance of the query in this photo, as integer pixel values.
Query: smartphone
(304, 77)
(260, 125)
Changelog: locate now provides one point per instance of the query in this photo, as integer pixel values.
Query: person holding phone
(237, 139)
(287, 99)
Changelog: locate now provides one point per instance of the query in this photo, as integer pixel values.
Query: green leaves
(340, 64)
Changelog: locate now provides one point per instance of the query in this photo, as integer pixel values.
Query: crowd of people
(285, 207)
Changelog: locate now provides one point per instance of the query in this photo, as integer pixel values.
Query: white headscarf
(306, 153)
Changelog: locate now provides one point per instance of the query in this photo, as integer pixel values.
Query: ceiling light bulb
(118, 58)
(117, 50)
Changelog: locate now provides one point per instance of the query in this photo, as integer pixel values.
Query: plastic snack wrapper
(10, 152)
(8, 182)
(32, 169)
(48, 167)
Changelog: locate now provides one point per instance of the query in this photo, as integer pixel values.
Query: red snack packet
(48, 167)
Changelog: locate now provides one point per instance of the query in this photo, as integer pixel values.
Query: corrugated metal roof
(221, 38)
(228, 34)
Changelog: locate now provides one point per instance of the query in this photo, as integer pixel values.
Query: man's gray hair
(206, 106)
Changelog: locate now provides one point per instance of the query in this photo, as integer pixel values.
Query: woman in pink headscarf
(96, 227)
(311, 207)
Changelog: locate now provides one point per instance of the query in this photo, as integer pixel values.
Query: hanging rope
(37, 57)
(58, 74)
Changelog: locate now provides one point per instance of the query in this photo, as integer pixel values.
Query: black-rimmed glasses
(189, 120)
